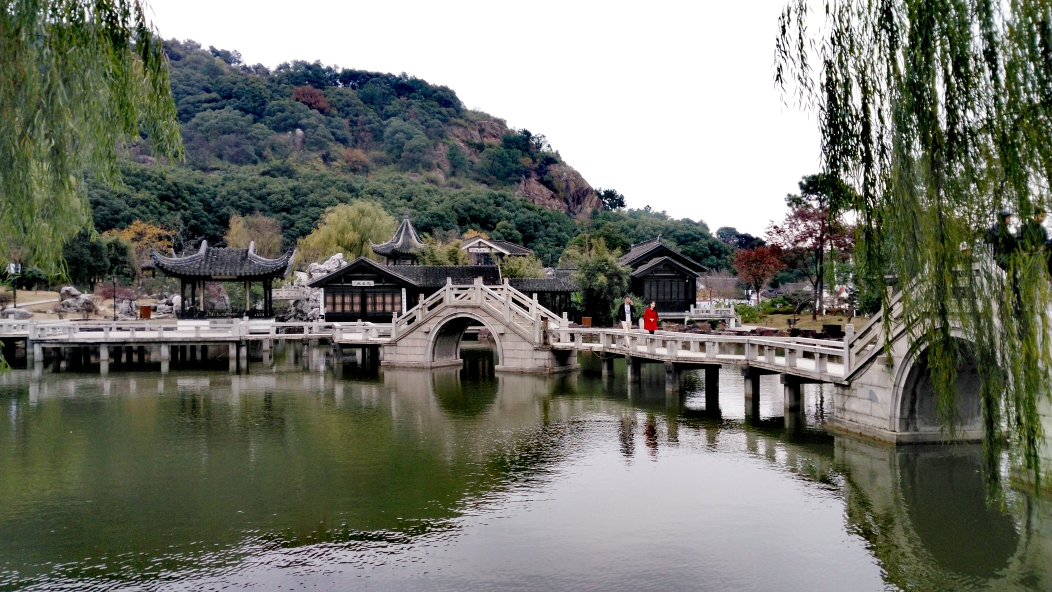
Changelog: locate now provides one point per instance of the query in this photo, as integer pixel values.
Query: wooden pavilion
(215, 264)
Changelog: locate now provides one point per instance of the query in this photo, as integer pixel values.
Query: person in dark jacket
(1032, 235)
(650, 318)
(1001, 240)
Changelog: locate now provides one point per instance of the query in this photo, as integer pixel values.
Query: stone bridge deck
(814, 360)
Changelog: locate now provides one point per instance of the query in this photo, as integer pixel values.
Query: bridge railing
(520, 313)
(237, 329)
(775, 352)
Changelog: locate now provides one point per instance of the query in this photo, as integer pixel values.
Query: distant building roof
(404, 242)
(558, 280)
(433, 276)
(642, 253)
(223, 263)
(497, 245)
(421, 276)
(660, 262)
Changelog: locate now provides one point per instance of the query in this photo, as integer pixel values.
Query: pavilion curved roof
(404, 242)
(223, 263)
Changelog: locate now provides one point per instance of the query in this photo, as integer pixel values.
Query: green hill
(293, 141)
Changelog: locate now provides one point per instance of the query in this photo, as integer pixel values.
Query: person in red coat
(650, 318)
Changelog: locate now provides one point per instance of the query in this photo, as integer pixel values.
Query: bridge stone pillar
(752, 393)
(712, 389)
(635, 368)
(673, 378)
(104, 359)
(608, 366)
(792, 395)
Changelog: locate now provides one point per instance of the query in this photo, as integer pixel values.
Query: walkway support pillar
(104, 359)
(712, 389)
(166, 357)
(673, 378)
(793, 402)
(752, 394)
(635, 368)
(608, 366)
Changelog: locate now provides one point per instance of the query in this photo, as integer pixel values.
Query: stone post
(712, 389)
(608, 366)
(634, 368)
(673, 376)
(793, 402)
(104, 359)
(752, 394)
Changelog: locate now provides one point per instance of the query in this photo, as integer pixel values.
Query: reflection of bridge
(888, 401)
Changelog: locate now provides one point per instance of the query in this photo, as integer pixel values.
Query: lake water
(300, 476)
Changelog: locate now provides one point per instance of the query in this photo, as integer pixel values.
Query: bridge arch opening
(448, 343)
(919, 408)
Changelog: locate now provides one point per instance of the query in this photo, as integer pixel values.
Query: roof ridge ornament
(204, 247)
(251, 247)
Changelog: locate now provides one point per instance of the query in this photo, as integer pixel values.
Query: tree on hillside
(80, 78)
(312, 97)
(264, 231)
(603, 282)
(347, 229)
(757, 266)
(144, 237)
(611, 199)
(730, 236)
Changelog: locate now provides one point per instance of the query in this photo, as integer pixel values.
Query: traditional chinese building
(372, 291)
(664, 275)
(212, 264)
(484, 251)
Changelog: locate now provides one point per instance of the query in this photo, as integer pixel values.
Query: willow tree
(78, 80)
(939, 114)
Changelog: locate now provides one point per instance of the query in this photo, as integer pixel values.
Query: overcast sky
(672, 104)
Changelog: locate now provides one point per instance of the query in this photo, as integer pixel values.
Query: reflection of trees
(246, 462)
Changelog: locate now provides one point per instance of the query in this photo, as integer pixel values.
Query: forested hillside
(291, 142)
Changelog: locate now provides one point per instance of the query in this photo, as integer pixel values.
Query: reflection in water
(944, 492)
(317, 477)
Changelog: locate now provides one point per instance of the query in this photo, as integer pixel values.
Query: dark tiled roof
(643, 269)
(638, 250)
(357, 264)
(404, 242)
(215, 262)
(433, 276)
(558, 280)
(640, 253)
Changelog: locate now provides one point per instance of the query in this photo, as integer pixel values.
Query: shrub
(749, 313)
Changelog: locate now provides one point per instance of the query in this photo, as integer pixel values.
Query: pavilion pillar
(248, 296)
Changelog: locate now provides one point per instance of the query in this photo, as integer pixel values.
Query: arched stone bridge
(429, 335)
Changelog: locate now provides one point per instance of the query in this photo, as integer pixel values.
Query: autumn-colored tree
(356, 160)
(757, 266)
(347, 229)
(264, 231)
(806, 239)
(313, 98)
(144, 237)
